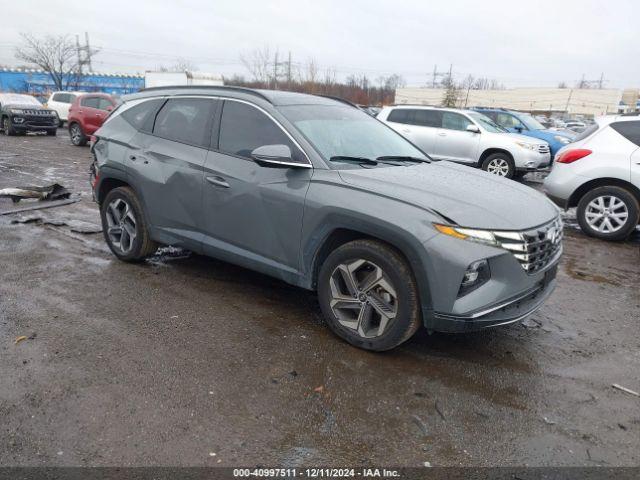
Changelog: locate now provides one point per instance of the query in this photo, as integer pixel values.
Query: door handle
(132, 158)
(442, 134)
(218, 181)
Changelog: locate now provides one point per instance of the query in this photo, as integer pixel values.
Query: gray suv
(317, 193)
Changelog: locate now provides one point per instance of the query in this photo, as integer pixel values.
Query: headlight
(562, 139)
(528, 146)
(479, 236)
(16, 111)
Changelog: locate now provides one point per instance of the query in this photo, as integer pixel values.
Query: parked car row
(83, 112)
(468, 137)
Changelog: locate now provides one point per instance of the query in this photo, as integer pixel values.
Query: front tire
(125, 227)
(7, 128)
(499, 164)
(368, 295)
(608, 213)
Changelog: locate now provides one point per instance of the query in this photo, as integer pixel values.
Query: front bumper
(504, 313)
(34, 123)
(530, 160)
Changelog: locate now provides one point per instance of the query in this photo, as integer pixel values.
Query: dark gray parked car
(321, 195)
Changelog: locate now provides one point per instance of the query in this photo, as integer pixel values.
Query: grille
(37, 113)
(534, 248)
(543, 148)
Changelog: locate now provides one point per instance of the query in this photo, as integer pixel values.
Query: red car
(87, 114)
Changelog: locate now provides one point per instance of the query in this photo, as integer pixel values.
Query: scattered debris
(319, 389)
(77, 226)
(548, 421)
(622, 426)
(421, 425)
(427, 464)
(42, 206)
(439, 410)
(212, 454)
(164, 254)
(50, 192)
(293, 373)
(20, 339)
(626, 390)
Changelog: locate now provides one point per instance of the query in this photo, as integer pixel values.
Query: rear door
(630, 130)
(420, 126)
(89, 113)
(455, 143)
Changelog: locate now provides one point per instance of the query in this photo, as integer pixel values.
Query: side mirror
(274, 156)
(518, 129)
(473, 128)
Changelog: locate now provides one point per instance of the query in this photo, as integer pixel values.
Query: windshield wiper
(404, 158)
(347, 158)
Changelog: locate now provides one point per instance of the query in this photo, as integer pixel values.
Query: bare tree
(562, 84)
(258, 63)
(451, 94)
(57, 56)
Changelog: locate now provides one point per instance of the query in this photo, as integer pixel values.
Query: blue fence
(37, 82)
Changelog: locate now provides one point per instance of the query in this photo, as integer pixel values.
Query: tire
(123, 200)
(500, 164)
(52, 133)
(77, 136)
(395, 293)
(7, 128)
(615, 205)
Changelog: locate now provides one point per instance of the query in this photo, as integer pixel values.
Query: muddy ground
(191, 361)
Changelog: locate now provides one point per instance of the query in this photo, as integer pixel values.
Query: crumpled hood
(469, 197)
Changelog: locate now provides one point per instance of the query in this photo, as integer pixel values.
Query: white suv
(600, 175)
(468, 137)
(61, 102)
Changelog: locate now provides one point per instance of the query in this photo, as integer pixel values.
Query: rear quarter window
(629, 130)
(141, 116)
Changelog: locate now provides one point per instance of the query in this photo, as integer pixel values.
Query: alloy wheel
(76, 134)
(121, 225)
(363, 298)
(606, 214)
(498, 166)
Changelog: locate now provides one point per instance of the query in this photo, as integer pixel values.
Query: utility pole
(566, 108)
(601, 81)
(435, 73)
(275, 71)
(84, 53)
(289, 71)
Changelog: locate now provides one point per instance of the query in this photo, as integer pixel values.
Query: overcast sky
(519, 43)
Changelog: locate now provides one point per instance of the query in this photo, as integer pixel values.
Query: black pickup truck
(20, 114)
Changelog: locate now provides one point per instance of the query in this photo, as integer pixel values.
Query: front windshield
(343, 131)
(16, 99)
(486, 123)
(531, 123)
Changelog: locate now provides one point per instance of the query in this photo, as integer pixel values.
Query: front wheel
(124, 226)
(368, 295)
(609, 213)
(7, 128)
(499, 164)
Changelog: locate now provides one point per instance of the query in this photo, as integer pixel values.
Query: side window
(89, 102)
(104, 103)
(508, 121)
(629, 130)
(427, 118)
(141, 116)
(455, 121)
(244, 128)
(56, 97)
(399, 115)
(185, 120)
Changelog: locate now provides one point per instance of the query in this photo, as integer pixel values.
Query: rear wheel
(499, 164)
(368, 295)
(124, 226)
(78, 138)
(609, 213)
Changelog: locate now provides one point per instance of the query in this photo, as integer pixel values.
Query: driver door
(253, 214)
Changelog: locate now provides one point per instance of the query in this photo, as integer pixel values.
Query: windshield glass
(16, 99)
(531, 123)
(486, 123)
(342, 131)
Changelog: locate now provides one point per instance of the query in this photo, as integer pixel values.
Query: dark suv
(321, 195)
(20, 114)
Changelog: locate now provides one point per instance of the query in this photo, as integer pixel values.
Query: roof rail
(250, 91)
(338, 99)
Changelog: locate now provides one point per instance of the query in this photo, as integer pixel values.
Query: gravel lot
(185, 360)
